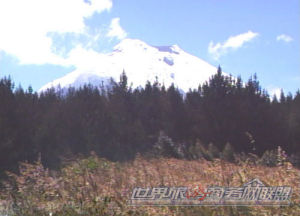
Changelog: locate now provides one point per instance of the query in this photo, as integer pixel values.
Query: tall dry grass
(95, 186)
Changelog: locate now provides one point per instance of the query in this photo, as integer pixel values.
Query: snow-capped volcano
(141, 63)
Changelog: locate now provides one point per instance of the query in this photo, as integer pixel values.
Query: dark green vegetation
(119, 121)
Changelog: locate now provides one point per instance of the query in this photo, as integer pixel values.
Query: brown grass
(95, 186)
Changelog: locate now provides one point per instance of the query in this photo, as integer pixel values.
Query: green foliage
(269, 158)
(228, 152)
(198, 150)
(295, 159)
(90, 164)
(276, 157)
(213, 151)
(281, 156)
(166, 147)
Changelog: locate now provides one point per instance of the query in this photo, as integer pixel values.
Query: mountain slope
(142, 63)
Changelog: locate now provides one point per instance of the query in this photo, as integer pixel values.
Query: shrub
(269, 158)
(167, 148)
(213, 151)
(295, 159)
(274, 157)
(228, 152)
(198, 151)
(281, 156)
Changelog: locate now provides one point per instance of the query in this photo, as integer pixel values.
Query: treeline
(117, 122)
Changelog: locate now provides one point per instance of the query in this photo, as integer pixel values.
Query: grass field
(95, 186)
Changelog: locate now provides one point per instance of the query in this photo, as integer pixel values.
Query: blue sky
(43, 40)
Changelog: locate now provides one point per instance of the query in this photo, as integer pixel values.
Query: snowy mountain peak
(171, 49)
(127, 44)
(142, 63)
(136, 44)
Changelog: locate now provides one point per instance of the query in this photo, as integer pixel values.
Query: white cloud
(82, 58)
(115, 30)
(24, 26)
(284, 37)
(233, 42)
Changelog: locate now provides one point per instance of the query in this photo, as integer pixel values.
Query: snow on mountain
(141, 63)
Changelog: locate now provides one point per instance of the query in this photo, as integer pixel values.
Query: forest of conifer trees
(117, 122)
